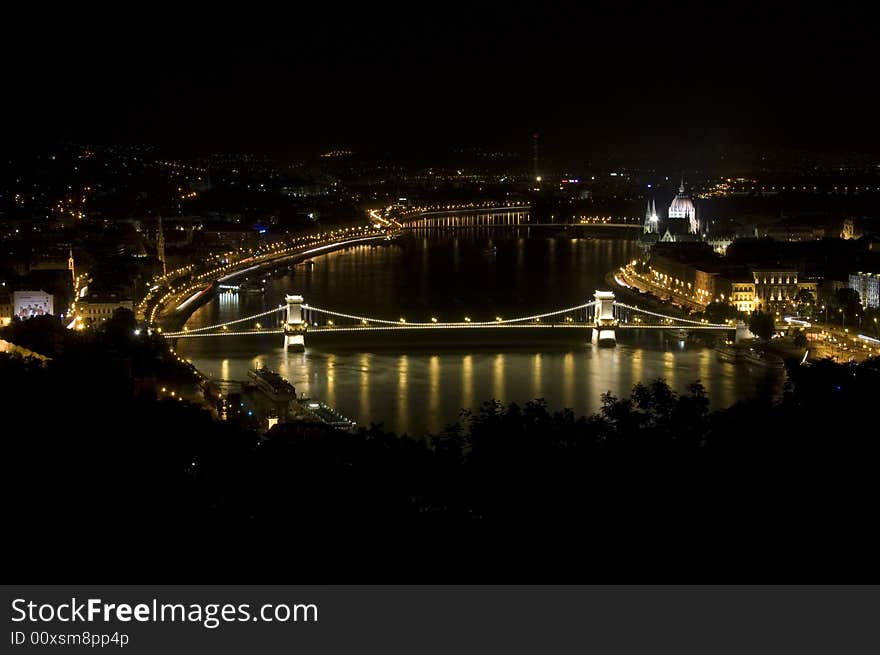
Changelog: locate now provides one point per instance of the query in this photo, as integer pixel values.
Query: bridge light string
(507, 321)
(372, 323)
(670, 318)
(207, 328)
(225, 333)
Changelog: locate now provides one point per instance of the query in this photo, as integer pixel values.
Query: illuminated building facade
(97, 309)
(778, 287)
(652, 221)
(682, 208)
(868, 286)
(690, 276)
(742, 295)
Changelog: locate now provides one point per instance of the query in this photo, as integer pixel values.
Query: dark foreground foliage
(107, 485)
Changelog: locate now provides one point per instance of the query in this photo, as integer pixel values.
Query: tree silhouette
(762, 324)
(720, 312)
(848, 300)
(640, 482)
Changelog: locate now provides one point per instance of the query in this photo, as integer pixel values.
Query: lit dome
(683, 207)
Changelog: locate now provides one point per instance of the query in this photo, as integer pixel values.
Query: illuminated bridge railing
(322, 320)
(276, 315)
(578, 313)
(628, 316)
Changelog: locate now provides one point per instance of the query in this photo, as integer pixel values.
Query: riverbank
(632, 293)
(188, 301)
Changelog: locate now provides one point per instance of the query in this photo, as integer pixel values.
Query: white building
(868, 286)
(92, 309)
(682, 207)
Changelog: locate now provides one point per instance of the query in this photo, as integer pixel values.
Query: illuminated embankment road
(173, 301)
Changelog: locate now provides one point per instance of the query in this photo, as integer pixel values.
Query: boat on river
(763, 359)
(727, 353)
(326, 414)
(272, 385)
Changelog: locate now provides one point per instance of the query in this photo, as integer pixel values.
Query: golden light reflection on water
(284, 366)
(705, 363)
(568, 382)
(537, 382)
(498, 378)
(669, 367)
(402, 394)
(331, 380)
(467, 381)
(434, 386)
(365, 385)
(637, 365)
(224, 369)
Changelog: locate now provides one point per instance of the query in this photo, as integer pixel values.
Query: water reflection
(403, 393)
(669, 367)
(467, 381)
(364, 407)
(330, 372)
(414, 388)
(434, 388)
(537, 383)
(498, 391)
(568, 380)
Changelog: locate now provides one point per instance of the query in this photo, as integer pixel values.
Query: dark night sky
(599, 77)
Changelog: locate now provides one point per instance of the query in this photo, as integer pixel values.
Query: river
(413, 386)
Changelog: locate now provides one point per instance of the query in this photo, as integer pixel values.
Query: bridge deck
(449, 326)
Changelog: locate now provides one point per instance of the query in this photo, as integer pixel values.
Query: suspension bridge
(602, 316)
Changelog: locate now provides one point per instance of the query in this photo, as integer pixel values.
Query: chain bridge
(602, 316)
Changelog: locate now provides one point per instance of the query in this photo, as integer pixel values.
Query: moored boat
(763, 359)
(727, 353)
(273, 385)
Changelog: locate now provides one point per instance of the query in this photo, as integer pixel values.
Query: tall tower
(536, 171)
(70, 265)
(160, 246)
(651, 219)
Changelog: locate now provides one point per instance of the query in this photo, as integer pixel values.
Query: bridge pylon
(742, 332)
(604, 321)
(294, 325)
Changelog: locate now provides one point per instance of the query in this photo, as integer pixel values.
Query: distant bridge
(603, 316)
(497, 216)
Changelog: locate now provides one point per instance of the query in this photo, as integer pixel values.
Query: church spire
(160, 247)
(651, 217)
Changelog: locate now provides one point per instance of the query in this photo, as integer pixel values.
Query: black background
(594, 78)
